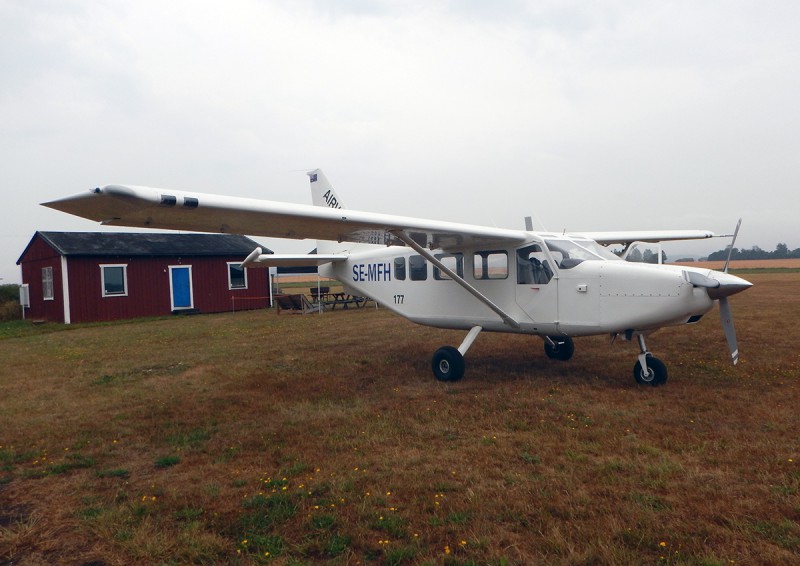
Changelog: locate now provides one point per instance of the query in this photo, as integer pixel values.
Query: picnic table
(345, 300)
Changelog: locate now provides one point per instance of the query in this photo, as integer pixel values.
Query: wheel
(563, 349)
(448, 364)
(656, 374)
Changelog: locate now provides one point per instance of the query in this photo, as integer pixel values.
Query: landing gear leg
(648, 370)
(448, 362)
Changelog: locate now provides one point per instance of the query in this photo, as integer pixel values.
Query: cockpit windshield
(569, 253)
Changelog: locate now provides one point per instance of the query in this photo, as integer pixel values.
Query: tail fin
(322, 193)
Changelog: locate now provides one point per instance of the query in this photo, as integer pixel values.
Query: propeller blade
(730, 248)
(727, 325)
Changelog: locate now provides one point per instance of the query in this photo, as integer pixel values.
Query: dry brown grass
(325, 438)
(786, 263)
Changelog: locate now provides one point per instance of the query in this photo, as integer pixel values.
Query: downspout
(65, 289)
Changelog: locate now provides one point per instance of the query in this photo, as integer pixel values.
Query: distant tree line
(781, 251)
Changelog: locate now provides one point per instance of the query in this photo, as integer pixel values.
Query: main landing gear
(448, 362)
(649, 370)
(559, 347)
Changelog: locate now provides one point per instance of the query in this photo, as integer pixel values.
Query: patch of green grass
(90, 513)
(530, 458)
(188, 514)
(24, 328)
(785, 534)
(263, 546)
(167, 461)
(266, 511)
(323, 522)
(398, 555)
(392, 524)
(71, 462)
(649, 501)
(337, 544)
(139, 372)
(192, 439)
(458, 518)
(115, 473)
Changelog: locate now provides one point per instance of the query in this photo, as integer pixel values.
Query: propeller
(725, 308)
(727, 325)
(720, 285)
(730, 248)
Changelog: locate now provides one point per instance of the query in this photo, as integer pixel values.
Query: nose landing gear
(649, 370)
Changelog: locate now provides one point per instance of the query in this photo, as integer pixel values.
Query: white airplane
(451, 275)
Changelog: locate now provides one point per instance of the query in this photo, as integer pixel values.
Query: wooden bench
(297, 304)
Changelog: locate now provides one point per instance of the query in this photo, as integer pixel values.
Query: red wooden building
(96, 276)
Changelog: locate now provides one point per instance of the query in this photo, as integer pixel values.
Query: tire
(448, 364)
(563, 349)
(656, 376)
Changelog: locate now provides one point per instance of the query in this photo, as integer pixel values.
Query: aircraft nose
(728, 285)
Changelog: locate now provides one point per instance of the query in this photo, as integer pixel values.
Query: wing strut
(455, 277)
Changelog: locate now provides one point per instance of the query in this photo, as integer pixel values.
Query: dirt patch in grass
(257, 438)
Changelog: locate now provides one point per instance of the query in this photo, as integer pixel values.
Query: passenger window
(418, 268)
(490, 265)
(454, 262)
(533, 267)
(400, 268)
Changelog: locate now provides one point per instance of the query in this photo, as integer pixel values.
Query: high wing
(628, 237)
(147, 207)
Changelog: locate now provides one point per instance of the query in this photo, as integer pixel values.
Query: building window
(237, 276)
(47, 283)
(114, 280)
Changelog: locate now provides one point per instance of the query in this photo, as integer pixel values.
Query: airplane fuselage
(582, 298)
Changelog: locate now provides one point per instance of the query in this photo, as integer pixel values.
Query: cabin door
(180, 283)
(537, 288)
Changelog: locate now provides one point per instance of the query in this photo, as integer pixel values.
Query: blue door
(181, 283)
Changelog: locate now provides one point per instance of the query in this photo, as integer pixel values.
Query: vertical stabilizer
(322, 193)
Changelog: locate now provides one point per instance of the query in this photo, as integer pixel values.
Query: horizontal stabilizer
(258, 259)
(651, 236)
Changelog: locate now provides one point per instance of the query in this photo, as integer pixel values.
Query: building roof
(146, 244)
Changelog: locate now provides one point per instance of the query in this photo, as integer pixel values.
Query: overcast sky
(587, 115)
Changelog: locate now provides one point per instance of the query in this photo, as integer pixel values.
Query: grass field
(256, 438)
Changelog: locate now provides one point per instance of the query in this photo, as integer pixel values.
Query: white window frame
(230, 282)
(48, 292)
(124, 267)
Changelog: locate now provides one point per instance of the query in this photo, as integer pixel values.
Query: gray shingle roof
(149, 244)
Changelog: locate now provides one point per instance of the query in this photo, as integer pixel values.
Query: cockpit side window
(533, 266)
(569, 253)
